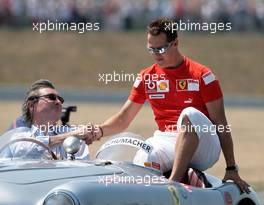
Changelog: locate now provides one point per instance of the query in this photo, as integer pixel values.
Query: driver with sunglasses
(187, 103)
(42, 109)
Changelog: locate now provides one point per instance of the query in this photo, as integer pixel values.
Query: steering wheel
(54, 157)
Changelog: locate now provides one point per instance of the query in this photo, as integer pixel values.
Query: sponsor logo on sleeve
(208, 78)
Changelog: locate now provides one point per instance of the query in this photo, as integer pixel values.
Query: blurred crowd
(133, 14)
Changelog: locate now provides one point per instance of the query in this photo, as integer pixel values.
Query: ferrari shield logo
(182, 84)
(187, 85)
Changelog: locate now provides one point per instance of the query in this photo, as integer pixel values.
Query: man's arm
(117, 123)
(217, 116)
(59, 138)
(121, 120)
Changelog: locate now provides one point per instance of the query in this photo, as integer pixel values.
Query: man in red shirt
(183, 94)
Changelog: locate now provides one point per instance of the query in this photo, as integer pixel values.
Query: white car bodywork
(110, 179)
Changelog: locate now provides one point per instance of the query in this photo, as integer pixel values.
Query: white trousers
(163, 153)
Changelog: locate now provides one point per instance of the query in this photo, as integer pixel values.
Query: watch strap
(232, 168)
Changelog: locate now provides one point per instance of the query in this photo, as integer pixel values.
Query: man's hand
(233, 175)
(95, 133)
(83, 132)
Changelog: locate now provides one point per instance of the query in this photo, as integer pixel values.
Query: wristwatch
(232, 168)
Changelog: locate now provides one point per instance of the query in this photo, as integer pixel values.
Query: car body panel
(105, 182)
(52, 170)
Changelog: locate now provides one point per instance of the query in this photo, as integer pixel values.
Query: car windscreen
(20, 143)
(123, 147)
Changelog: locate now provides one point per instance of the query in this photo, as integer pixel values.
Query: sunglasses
(160, 50)
(52, 97)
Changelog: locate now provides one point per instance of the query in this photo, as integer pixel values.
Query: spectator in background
(128, 14)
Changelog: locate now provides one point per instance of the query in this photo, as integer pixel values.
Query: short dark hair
(163, 25)
(31, 95)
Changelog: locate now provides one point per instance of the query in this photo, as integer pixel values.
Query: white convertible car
(110, 179)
